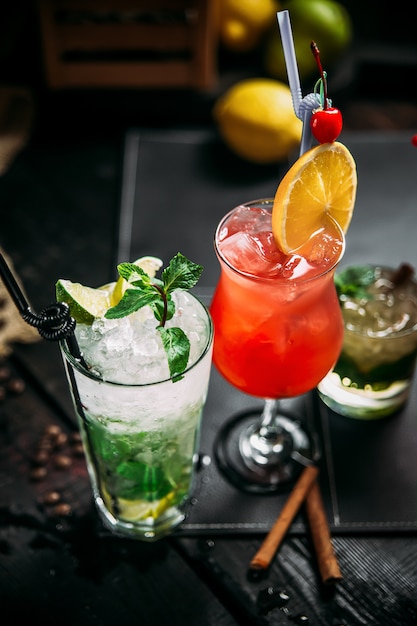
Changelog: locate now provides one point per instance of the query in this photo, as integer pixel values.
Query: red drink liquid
(278, 324)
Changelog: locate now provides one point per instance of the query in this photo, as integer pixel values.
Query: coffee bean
(53, 430)
(38, 473)
(61, 440)
(16, 385)
(62, 509)
(62, 461)
(41, 457)
(52, 497)
(5, 373)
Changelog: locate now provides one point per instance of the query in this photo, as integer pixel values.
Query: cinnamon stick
(328, 566)
(270, 545)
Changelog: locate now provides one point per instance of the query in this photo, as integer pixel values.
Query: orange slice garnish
(321, 183)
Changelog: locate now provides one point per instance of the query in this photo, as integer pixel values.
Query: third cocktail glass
(278, 331)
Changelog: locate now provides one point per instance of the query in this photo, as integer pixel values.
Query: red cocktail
(278, 327)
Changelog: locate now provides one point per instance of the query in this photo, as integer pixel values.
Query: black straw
(12, 287)
(53, 323)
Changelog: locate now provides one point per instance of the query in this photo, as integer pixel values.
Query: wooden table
(57, 565)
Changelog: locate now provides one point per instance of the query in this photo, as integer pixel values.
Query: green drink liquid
(141, 474)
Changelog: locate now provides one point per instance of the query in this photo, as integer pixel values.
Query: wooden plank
(122, 36)
(120, 6)
(171, 74)
(191, 36)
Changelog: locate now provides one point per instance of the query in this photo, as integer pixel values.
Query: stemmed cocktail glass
(278, 331)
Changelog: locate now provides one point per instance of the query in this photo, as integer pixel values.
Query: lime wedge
(87, 303)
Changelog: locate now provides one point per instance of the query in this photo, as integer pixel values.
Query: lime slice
(135, 510)
(149, 264)
(87, 303)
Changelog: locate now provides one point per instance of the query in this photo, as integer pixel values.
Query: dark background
(374, 82)
(58, 201)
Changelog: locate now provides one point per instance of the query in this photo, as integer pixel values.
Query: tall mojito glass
(139, 422)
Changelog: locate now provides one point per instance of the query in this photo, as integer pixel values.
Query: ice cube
(130, 349)
(252, 255)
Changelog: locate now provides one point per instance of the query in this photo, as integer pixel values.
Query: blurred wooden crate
(128, 43)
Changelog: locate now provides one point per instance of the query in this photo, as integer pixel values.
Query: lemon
(256, 119)
(242, 23)
(321, 182)
(88, 303)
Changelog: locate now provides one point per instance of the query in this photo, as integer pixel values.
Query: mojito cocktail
(140, 421)
(373, 374)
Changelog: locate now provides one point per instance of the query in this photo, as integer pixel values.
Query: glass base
(362, 403)
(147, 529)
(293, 451)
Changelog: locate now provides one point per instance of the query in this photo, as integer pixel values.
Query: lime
(135, 510)
(87, 303)
(327, 22)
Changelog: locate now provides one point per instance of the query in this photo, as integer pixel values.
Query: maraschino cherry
(326, 121)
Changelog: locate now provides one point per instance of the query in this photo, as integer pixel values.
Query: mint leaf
(353, 282)
(132, 301)
(163, 309)
(177, 347)
(181, 273)
(135, 275)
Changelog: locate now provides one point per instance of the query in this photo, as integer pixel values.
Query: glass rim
(269, 279)
(371, 265)
(75, 363)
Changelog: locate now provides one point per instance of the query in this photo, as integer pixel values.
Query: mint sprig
(181, 273)
(353, 282)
